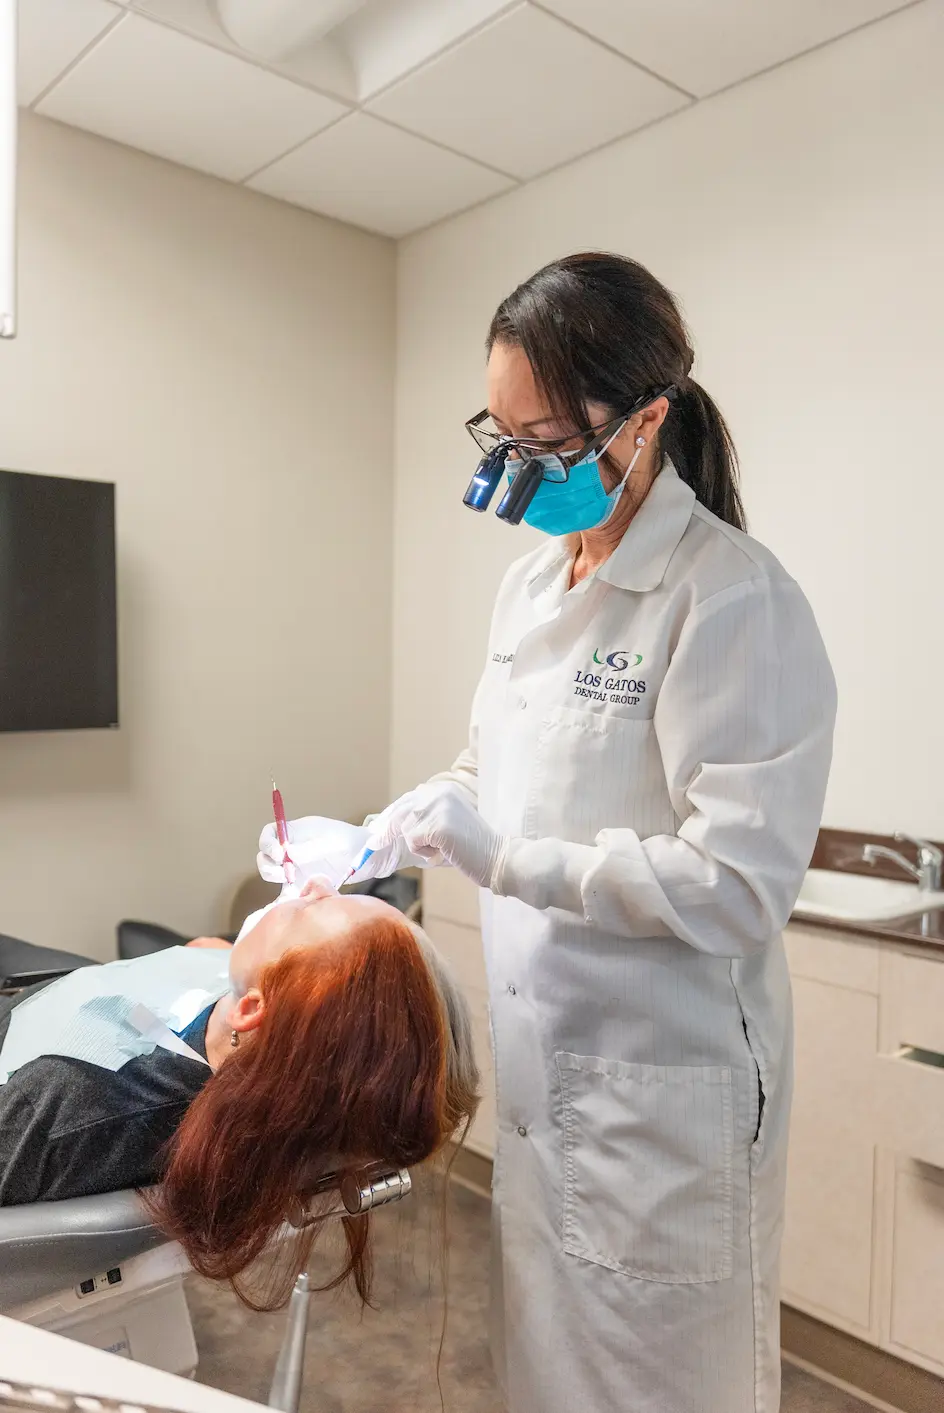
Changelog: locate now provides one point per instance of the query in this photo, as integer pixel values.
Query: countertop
(924, 930)
(840, 850)
(30, 1355)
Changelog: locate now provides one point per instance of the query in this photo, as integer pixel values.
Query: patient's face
(320, 916)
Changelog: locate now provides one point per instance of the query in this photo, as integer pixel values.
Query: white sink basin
(853, 897)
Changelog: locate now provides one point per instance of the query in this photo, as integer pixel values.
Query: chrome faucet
(927, 871)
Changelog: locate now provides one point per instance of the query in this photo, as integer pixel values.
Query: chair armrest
(46, 1246)
(17, 956)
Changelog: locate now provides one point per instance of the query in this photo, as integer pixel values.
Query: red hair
(352, 1063)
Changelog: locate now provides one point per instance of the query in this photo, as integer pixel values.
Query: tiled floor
(384, 1361)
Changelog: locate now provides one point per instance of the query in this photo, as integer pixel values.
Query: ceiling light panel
(704, 45)
(322, 64)
(525, 94)
(386, 39)
(157, 90)
(277, 28)
(52, 34)
(372, 175)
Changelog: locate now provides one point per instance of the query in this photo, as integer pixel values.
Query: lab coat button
(522, 1131)
(522, 703)
(512, 991)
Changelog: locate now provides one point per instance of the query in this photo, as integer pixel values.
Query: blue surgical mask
(580, 503)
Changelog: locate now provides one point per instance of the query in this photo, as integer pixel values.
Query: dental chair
(97, 1270)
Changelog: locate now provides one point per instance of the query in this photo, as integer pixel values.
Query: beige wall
(228, 362)
(799, 216)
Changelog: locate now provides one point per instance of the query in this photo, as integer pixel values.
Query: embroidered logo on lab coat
(618, 660)
(613, 686)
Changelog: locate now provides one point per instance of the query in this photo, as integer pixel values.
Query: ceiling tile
(525, 94)
(375, 176)
(387, 39)
(703, 47)
(158, 90)
(51, 34)
(323, 65)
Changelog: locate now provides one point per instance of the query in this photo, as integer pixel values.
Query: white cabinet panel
(448, 893)
(823, 955)
(827, 1249)
(451, 918)
(909, 1082)
(909, 1103)
(482, 1134)
(462, 948)
(912, 1001)
(917, 1307)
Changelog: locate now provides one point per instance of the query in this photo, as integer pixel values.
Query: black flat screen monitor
(58, 617)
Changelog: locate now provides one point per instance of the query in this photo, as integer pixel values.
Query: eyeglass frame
(598, 438)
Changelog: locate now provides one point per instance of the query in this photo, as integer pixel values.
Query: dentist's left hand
(439, 824)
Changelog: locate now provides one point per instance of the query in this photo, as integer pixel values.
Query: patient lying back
(339, 1039)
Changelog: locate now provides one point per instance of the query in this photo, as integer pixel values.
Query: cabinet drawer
(912, 1001)
(448, 894)
(909, 1100)
(917, 1304)
(819, 954)
(462, 948)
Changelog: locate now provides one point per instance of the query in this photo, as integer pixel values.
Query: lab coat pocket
(648, 1167)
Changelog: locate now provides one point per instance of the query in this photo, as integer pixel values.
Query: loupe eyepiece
(484, 483)
(513, 505)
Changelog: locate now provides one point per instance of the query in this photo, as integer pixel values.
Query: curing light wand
(281, 829)
(359, 863)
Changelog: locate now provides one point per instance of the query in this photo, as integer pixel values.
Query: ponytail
(696, 437)
(601, 329)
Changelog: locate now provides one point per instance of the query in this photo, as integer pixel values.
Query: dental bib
(108, 1015)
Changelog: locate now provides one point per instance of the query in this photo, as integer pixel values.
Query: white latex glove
(390, 848)
(438, 823)
(317, 847)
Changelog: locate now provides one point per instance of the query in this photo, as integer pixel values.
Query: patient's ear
(247, 1013)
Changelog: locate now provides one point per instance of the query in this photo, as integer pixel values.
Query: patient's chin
(290, 893)
(320, 886)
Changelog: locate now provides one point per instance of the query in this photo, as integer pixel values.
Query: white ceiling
(408, 110)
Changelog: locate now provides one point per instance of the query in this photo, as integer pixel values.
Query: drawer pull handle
(916, 1056)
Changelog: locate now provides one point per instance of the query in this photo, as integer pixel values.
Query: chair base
(141, 1313)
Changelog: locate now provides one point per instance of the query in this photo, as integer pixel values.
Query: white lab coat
(665, 805)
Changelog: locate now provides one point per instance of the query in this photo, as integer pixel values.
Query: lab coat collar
(653, 535)
(642, 556)
(548, 563)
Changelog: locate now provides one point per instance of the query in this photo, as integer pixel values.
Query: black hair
(600, 328)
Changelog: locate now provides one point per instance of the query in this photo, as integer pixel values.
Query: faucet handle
(924, 846)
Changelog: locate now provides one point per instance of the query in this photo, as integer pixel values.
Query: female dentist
(639, 801)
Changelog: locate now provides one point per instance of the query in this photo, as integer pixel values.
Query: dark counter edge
(840, 851)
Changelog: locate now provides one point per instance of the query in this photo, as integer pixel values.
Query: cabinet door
(917, 1295)
(827, 1248)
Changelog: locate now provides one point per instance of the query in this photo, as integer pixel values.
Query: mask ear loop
(640, 443)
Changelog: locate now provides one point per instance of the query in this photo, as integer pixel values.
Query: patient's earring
(234, 1038)
(640, 441)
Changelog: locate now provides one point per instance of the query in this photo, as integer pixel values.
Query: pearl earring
(234, 1038)
(640, 441)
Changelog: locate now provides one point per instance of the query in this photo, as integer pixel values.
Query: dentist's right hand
(306, 846)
